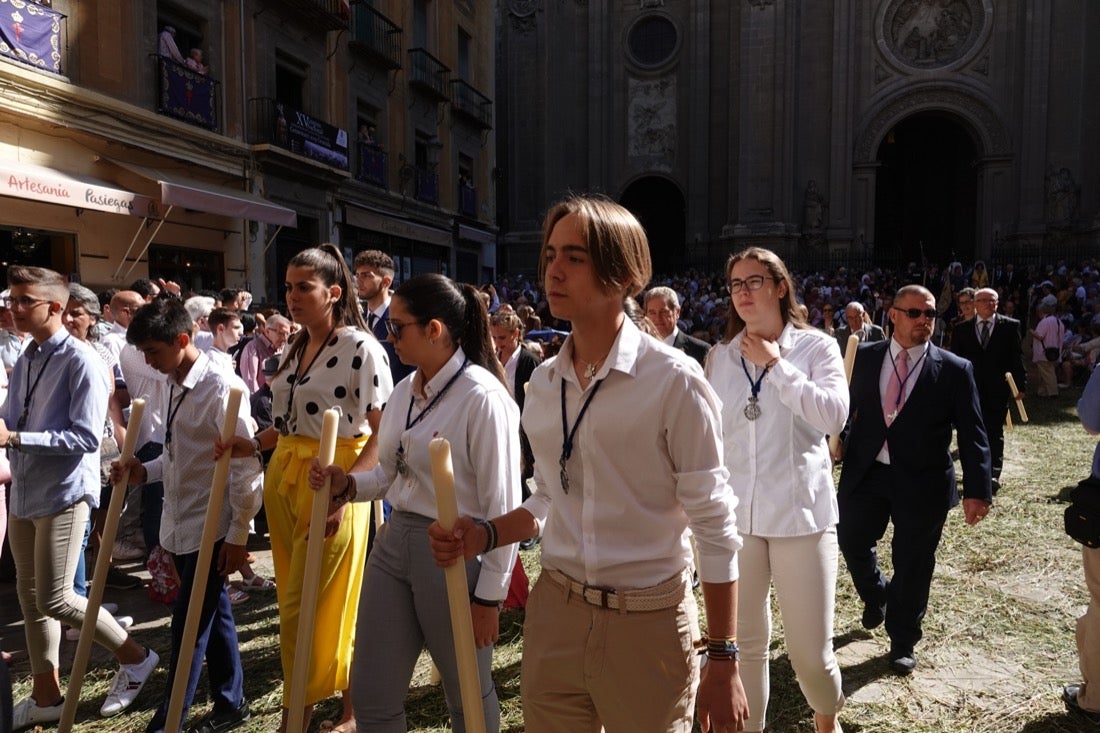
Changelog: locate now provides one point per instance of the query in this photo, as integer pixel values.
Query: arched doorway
(926, 191)
(659, 206)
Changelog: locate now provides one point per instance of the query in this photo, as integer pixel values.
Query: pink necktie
(894, 398)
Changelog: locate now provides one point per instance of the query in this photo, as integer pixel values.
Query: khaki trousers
(585, 667)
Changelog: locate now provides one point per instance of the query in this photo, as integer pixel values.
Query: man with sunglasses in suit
(907, 397)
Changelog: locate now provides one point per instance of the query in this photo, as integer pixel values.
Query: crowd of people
(739, 379)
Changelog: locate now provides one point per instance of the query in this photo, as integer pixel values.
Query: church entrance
(659, 206)
(926, 192)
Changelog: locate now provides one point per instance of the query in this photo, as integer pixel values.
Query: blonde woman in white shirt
(457, 392)
(783, 390)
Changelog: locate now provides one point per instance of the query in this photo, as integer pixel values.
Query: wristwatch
(13, 441)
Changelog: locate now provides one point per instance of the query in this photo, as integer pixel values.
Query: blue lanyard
(752, 410)
(568, 434)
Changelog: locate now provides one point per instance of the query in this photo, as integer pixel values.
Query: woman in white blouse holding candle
(457, 392)
(783, 391)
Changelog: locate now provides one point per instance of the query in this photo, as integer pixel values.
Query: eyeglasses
(965, 302)
(23, 302)
(753, 282)
(985, 300)
(915, 313)
(395, 328)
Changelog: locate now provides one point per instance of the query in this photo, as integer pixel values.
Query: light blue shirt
(57, 463)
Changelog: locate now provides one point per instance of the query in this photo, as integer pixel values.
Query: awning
(36, 183)
(176, 190)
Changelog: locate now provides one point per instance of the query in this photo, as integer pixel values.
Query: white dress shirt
(510, 367)
(150, 385)
(646, 470)
(187, 464)
(916, 363)
(479, 417)
(779, 464)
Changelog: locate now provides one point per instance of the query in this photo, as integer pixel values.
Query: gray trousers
(402, 608)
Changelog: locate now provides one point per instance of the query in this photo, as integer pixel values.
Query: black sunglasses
(916, 313)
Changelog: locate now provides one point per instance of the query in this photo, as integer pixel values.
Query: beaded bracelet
(722, 648)
(490, 534)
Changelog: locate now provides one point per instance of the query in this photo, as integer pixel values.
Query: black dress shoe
(996, 485)
(873, 616)
(1069, 697)
(902, 662)
(217, 722)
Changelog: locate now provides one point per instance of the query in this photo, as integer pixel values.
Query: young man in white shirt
(225, 325)
(198, 395)
(627, 440)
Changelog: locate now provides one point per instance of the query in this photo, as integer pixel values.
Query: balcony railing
(428, 74)
(327, 15)
(372, 164)
(467, 200)
(185, 94)
(427, 186)
(275, 123)
(471, 104)
(376, 36)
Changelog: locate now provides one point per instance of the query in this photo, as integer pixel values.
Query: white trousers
(803, 572)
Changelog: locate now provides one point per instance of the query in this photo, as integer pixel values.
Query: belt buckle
(604, 591)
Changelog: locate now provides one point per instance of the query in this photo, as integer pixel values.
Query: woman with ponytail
(334, 360)
(457, 392)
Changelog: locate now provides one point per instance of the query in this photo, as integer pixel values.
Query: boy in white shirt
(198, 394)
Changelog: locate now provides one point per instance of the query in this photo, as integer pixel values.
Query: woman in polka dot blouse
(334, 360)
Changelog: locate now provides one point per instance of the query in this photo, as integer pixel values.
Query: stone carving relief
(522, 14)
(651, 118)
(1062, 197)
(931, 34)
(815, 214)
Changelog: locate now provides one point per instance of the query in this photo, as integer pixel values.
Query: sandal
(236, 595)
(256, 582)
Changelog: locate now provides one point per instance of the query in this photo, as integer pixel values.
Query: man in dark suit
(991, 342)
(374, 272)
(907, 395)
(662, 308)
(856, 322)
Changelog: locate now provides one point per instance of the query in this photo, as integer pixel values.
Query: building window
(652, 40)
(464, 42)
(290, 81)
(420, 24)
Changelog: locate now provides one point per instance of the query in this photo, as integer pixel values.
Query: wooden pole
(1015, 392)
(311, 582)
(202, 565)
(458, 593)
(99, 578)
(849, 365)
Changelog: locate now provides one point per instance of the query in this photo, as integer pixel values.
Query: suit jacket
(944, 397)
(397, 369)
(524, 368)
(871, 334)
(1002, 354)
(691, 346)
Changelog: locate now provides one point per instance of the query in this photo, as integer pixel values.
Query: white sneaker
(127, 684)
(26, 713)
(126, 550)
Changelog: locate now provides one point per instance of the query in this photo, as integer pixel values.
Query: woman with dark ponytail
(457, 392)
(334, 360)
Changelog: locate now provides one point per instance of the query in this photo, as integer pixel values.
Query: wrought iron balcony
(471, 104)
(328, 15)
(428, 74)
(376, 36)
(467, 200)
(427, 186)
(185, 94)
(275, 123)
(373, 162)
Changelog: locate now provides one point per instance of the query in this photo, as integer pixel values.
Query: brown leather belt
(667, 594)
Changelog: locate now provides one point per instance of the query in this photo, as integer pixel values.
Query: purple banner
(31, 33)
(188, 95)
